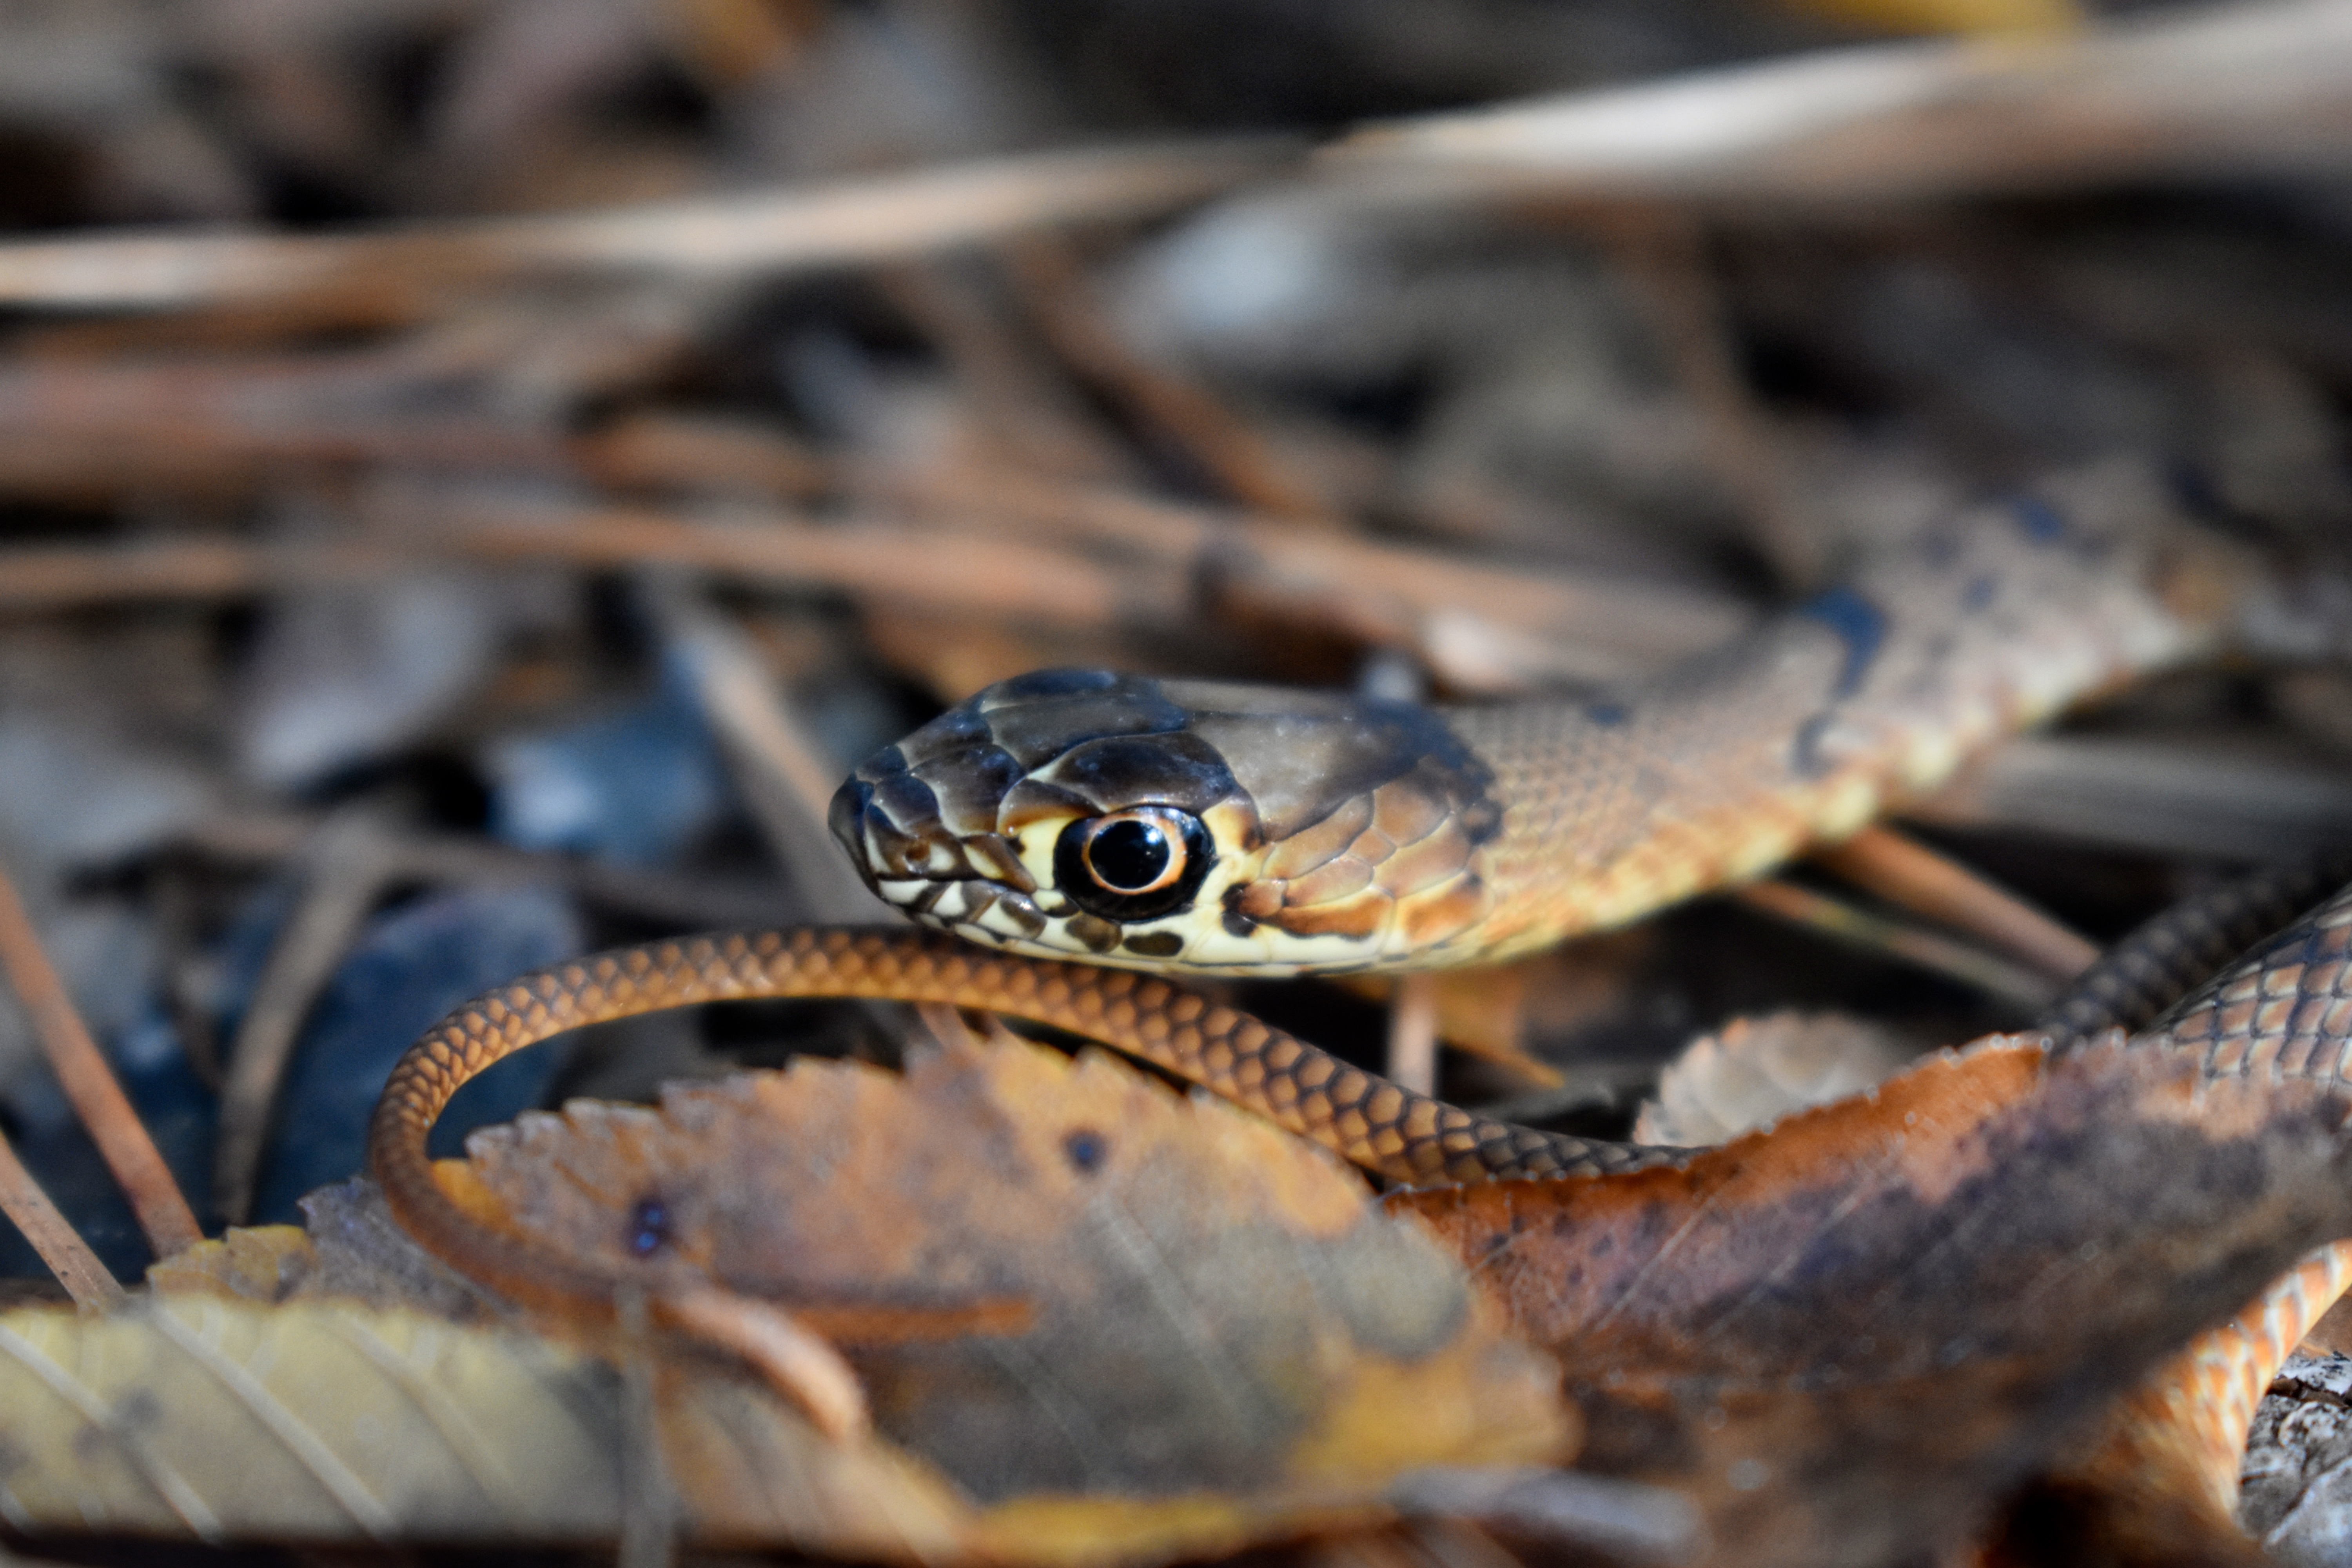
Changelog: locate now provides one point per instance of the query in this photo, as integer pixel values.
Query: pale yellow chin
(1266, 955)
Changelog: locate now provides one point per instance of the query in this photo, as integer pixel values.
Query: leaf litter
(1460, 450)
(1220, 1339)
(2007, 1242)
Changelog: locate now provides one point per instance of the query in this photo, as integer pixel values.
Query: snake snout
(846, 817)
(890, 825)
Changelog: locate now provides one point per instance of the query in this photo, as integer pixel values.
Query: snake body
(1362, 1117)
(1185, 825)
(1306, 832)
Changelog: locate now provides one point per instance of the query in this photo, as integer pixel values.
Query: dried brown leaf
(1756, 1070)
(195, 1414)
(189, 1414)
(1852, 1337)
(1219, 1336)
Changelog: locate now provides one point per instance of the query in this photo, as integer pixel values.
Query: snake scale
(1192, 827)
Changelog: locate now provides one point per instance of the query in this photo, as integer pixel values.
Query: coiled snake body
(1179, 826)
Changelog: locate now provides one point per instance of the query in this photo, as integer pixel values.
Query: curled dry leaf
(1756, 1070)
(1218, 1336)
(190, 1414)
(1851, 1338)
(193, 1413)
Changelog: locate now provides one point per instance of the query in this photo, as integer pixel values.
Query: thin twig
(979, 561)
(1875, 933)
(347, 876)
(60, 1246)
(2171, 796)
(1844, 127)
(797, 1362)
(1904, 871)
(947, 1026)
(1060, 298)
(1018, 402)
(1412, 1033)
(916, 566)
(89, 1084)
(701, 452)
(972, 574)
(649, 1502)
(1339, 579)
(787, 781)
(887, 217)
(1665, 257)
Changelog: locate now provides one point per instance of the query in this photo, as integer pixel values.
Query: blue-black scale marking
(1859, 624)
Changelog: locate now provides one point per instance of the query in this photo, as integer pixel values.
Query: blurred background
(475, 473)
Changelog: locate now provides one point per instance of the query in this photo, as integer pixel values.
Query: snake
(1080, 840)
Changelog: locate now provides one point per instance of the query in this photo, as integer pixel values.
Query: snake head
(1182, 825)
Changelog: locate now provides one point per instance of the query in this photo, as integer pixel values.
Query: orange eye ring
(1133, 852)
(1133, 865)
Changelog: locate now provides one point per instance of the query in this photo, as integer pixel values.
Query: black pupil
(1129, 856)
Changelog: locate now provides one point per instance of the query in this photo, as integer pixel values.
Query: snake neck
(1875, 690)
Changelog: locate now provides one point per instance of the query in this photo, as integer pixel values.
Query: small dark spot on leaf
(648, 1229)
(1087, 1148)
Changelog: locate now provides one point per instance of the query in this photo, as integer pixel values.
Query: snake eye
(1134, 865)
(1132, 855)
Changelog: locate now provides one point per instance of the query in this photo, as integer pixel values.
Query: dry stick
(649, 1503)
(1387, 592)
(1020, 404)
(923, 566)
(2171, 796)
(2251, 89)
(1061, 298)
(702, 452)
(743, 234)
(71, 577)
(1665, 257)
(914, 566)
(1412, 1033)
(346, 875)
(787, 780)
(947, 1026)
(1623, 625)
(1875, 933)
(1904, 871)
(89, 1084)
(59, 1245)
